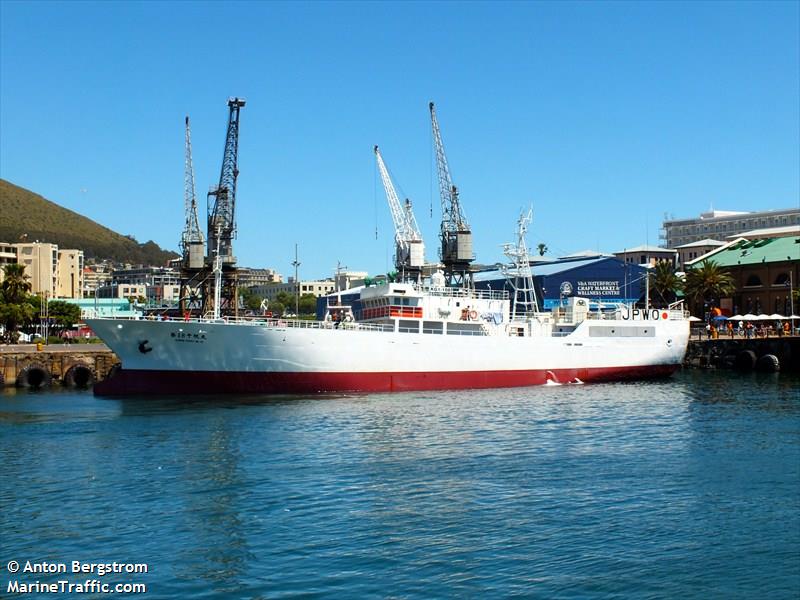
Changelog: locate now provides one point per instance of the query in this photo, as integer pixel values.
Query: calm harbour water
(687, 488)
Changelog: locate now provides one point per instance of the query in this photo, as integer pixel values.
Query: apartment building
(646, 255)
(70, 274)
(161, 285)
(248, 277)
(8, 255)
(721, 225)
(40, 260)
(317, 288)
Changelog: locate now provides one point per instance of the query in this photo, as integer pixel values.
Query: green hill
(23, 213)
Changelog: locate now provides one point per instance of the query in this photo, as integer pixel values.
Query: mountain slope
(24, 213)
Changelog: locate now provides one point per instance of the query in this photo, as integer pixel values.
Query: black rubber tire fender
(34, 376)
(79, 375)
(769, 363)
(745, 360)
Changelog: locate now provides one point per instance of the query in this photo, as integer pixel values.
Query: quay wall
(72, 365)
(745, 354)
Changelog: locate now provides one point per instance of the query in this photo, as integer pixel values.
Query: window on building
(782, 279)
(753, 281)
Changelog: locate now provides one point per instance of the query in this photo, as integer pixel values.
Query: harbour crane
(455, 234)
(409, 247)
(222, 198)
(192, 242)
(209, 282)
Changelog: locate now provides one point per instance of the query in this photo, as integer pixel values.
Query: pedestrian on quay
(730, 329)
(708, 331)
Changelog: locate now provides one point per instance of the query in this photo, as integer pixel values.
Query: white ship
(406, 337)
(397, 336)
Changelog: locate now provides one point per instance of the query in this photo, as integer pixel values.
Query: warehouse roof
(749, 252)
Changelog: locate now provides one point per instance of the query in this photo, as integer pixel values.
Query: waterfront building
(605, 279)
(316, 288)
(52, 272)
(765, 271)
(95, 276)
(70, 274)
(130, 291)
(92, 308)
(8, 255)
(41, 265)
(162, 285)
(769, 232)
(647, 255)
(248, 277)
(345, 280)
(720, 225)
(692, 250)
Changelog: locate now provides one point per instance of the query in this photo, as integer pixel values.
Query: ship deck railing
(456, 292)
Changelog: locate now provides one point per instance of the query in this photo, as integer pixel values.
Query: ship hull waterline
(123, 382)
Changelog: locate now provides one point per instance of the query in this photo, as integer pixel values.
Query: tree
(15, 286)
(276, 308)
(15, 310)
(250, 299)
(707, 283)
(665, 282)
(63, 315)
(308, 304)
(542, 248)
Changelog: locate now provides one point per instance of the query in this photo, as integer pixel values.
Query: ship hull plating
(176, 357)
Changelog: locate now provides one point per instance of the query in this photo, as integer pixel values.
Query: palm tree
(665, 282)
(14, 310)
(15, 285)
(707, 283)
(542, 248)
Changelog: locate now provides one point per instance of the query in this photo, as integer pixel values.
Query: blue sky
(602, 116)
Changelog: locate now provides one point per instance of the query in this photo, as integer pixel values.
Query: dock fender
(78, 376)
(745, 360)
(34, 376)
(768, 363)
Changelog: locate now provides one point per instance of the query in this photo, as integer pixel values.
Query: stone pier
(746, 354)
(73, 365)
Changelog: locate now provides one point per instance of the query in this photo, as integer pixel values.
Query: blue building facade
(600, 279)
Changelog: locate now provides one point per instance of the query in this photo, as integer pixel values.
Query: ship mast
(524, 301)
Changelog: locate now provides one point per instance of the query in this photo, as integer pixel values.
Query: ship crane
(455, 234)
(192, 242)
(409, 247)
